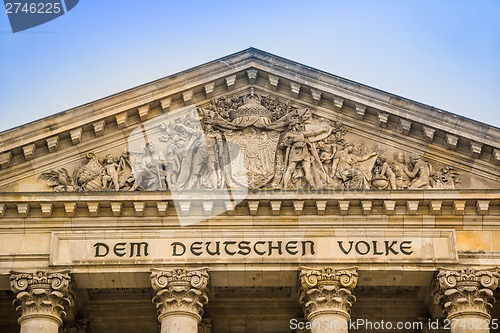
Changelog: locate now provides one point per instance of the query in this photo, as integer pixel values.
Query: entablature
(253, 204)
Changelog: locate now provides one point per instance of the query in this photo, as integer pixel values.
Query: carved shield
(252, 154)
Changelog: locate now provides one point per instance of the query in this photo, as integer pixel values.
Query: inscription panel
(295, 246)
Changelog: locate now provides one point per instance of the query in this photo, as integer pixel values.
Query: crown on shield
(251, 108)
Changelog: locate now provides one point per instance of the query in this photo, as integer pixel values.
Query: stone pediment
(250, 121)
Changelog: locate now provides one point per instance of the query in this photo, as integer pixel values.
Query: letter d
(98, 252)
(433, 324)
(174, 249)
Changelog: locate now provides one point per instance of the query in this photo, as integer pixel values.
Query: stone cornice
(254, 203)
(368, 96)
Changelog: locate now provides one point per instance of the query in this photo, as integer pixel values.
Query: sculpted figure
(200, 165)
(110, 173)
(297, 155)
(192, 157)
(172, 165)
(420, 174)
(401, 171)
(95, 175)
(59, 180)
(211, 151)
(149, 170)
(352, 170)
(327, 150)
(382, 171)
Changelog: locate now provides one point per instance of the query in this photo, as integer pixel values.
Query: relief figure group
(252, 142)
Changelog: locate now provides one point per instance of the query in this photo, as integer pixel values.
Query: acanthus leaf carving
(42, 292)
(180, 290)
(466, 290)
(327, 289)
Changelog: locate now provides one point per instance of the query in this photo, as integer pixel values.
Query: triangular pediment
(256, 121)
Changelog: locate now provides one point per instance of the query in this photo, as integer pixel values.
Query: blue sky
(442, 53)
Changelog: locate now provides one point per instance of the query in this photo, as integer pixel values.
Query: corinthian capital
(327, 290)
(180, 290)
(466, 291)
(42, 293)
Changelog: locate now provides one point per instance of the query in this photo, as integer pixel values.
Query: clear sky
(442, 53)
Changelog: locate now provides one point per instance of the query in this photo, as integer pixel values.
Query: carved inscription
(204, 246)
(122, 249)
(244, 248)
(377, 248)
(260, 248)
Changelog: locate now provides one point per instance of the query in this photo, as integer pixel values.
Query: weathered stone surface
(327, 296)
(180, 295)
(256, 165)
(466, 291)
(42, 299)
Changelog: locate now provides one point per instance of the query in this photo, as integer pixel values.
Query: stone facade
(263, 196)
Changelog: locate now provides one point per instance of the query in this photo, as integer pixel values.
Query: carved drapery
(180, 291)
(256, 142)
(42, 294)
(466, 291)
(327, 290)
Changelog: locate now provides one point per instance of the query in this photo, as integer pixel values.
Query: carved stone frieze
(180, 291)
(77, 326)
(109, 174)
(42, 293)
(252, 141)
(466, 291)
(327, 290)
(205, 325)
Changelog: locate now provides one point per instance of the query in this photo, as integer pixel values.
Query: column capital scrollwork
(180, 290)
(466, 291)
(42, 293)
(327, 290)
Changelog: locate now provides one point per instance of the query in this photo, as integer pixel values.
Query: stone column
(326, 296)
(42, 299)
(179, 297)
(466, 296)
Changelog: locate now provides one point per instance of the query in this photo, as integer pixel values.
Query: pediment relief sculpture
(252, 142)
(108, 174)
